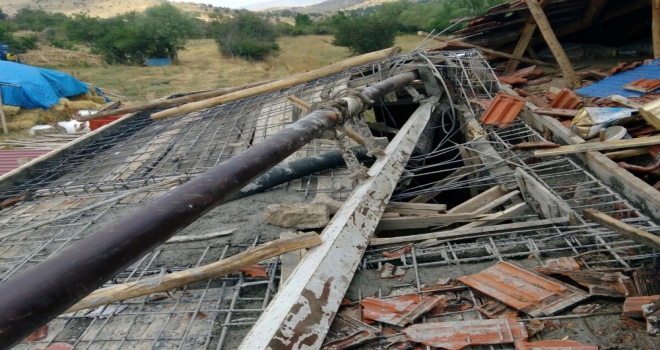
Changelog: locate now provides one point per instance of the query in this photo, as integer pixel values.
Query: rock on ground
(300, 216)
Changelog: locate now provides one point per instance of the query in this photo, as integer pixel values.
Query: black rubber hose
(296, 169)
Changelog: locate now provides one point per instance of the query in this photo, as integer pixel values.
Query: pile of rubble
(625, 127)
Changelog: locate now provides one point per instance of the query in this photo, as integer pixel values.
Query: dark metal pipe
(386, 86)
(296, 169)
(39, 294)
(36, 296)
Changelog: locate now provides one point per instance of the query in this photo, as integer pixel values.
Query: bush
(159, 32)
(17, 44)
(362, 34)
(247, 36)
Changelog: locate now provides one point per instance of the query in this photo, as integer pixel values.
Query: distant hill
(268, 5)
(100, 8)
(328, 5)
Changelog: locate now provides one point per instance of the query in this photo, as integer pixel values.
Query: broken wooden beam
(280, 84)
(599, 146)
(627, 230)
(523, 42)
(556, 48)
(301, 313)
(469, 232)
(202, 273)
(656, 28)
(493, 52)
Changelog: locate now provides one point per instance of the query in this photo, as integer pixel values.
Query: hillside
(332, 5)
(100, 8)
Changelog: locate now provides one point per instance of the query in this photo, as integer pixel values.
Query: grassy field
(202, 67)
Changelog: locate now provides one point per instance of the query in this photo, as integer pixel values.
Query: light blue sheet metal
(614, 85)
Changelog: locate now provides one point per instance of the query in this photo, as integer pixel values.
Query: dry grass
(52, 56)
(201, 67)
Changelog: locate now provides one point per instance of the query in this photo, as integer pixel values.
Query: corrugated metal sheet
(614, 85)
(9, 158)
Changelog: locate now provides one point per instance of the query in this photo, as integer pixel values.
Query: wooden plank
(329, 268)
(415, 208)
(470, 160)
(487, 202)
(469, 232)
(627, 153)
(656, 28)
(492, 219)
(629, 231)
(599, 146)
(556, 48)
(214, 270)
(493, 52)
(3, 117)
(550, 205)
(479, 201)
(281, 84)
(523, 42)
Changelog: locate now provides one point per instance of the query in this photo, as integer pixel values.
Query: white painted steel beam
(301, 313)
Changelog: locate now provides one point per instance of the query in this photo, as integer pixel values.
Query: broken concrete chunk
(586, 309)
(299, 216)
(390, 271)
(325, 199)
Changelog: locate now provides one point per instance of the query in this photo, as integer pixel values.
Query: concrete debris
(325, 199)
(390, 271)
(298, 216)
(460, 334)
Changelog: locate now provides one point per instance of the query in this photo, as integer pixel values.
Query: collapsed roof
(500, 204)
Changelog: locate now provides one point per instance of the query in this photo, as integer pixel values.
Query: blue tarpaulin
(39, 88)
(614, 85)
(157, 62)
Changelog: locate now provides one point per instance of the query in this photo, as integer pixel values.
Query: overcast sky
(231, 3)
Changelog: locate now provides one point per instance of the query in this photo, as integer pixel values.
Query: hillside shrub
(247, 36)
(159, 32)
(362, 34)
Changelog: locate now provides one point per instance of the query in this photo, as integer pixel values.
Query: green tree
(166, 30)
(3, 16)
(303, 20)
(246, 35)
(362, 34)
(37, 20)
